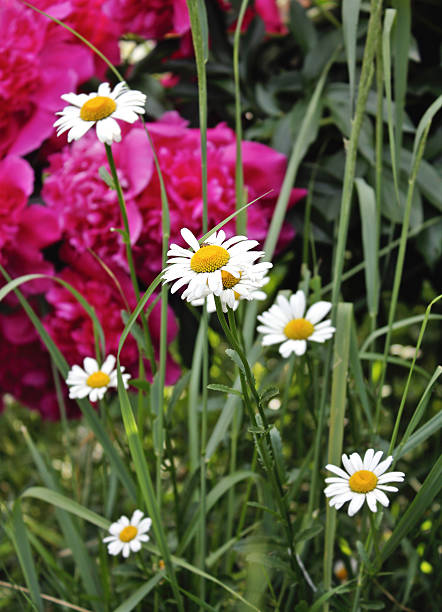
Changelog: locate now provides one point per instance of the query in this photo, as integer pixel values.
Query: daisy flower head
(246, 287)
(127, 535)
(208, 268)
(363, 480)
(92, 380)
(286, 324)
(100, 108)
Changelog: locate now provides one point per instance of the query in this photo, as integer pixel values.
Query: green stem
(398, 272)
(241, 219)
(350, 165)
(286, 396)
(129, 255)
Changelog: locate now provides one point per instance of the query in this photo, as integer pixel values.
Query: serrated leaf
(256, 430)
(236, 358)
(268, 393)
(224, 389)
(106, 177)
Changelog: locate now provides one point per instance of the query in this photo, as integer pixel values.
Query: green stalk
(241, 219)
(286, 396)
(399, 269)
(126, 239)
(265, 447)
(350, 165)
(198, 23)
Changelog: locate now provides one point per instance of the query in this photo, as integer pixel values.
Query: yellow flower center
(128, 533)
(98, 379)
(209, 258)
(298, 329)
(229, 280)
(97, 108)
(363, 481)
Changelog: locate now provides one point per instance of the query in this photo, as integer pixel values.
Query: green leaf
(106, 177)
(236, 358)
(367, 207)
(308, 534)
(350, 18)
(338, 403)
(220, 489)
(268, 393)
(74, 540)
(428, 491)
(224, 389)
(17, 531)
(144, 590)
(65, 503)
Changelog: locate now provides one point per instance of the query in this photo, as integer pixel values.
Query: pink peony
(178, 150)
(88, 19)
(24, 230)
(71, 328)
(152, 19)
(39, 61)
(86, 208)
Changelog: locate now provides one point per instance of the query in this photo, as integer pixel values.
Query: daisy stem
(286, 396)
(300, 419)
(266, 449)
(129, 255)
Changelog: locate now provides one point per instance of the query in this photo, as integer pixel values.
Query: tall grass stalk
(199, 28)
(352, 147)
(400, 261)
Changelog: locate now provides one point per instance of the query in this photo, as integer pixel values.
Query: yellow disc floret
(229, 280)
(298, 329)
(209, 258)
(98, 379)
(363, 481)
(128, 533)
(97, 108)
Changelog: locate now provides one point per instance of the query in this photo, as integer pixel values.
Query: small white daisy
(92, 380)
(246, 287)
(285, 323)
(202, 268)
(364, 480)
(127, 535)
(100, 108)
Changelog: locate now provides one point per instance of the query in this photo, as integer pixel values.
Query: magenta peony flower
(89, 20)
(86, 208)
(39, 61)
(24, 230)
(71, 328)
(152, 19)
(178, 150)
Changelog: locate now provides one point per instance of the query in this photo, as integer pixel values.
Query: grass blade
(428, 491)
(350, 18)
(341, 355)
(17, 532)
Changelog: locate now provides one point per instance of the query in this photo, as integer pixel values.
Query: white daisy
(92, 380)
(127, 535)
(202, 268)
(364, 480)
(285, 323)
(100, 108)
(246, 287)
